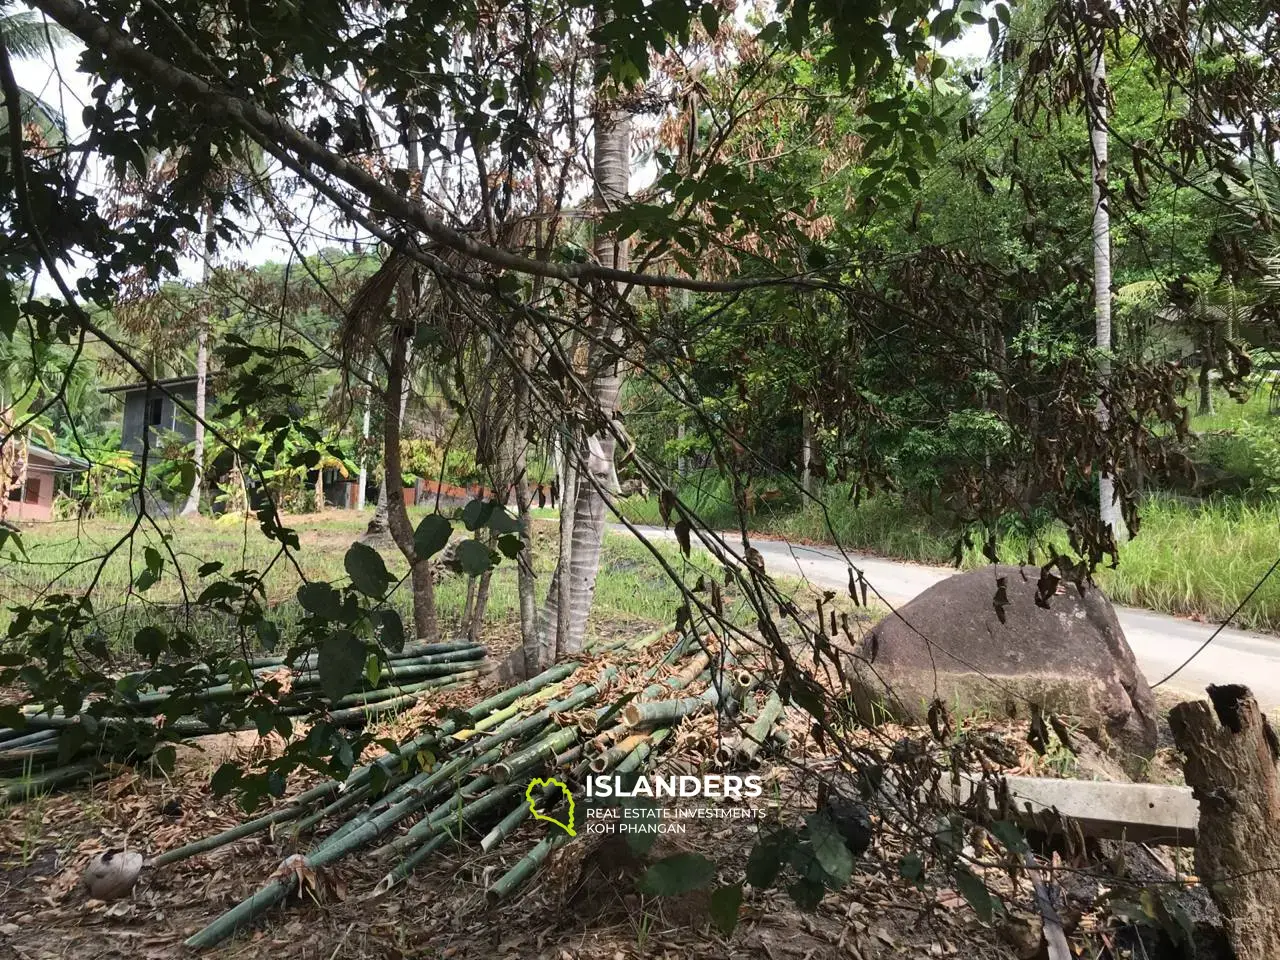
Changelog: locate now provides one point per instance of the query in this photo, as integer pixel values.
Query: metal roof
(144, 384)
(60, 462)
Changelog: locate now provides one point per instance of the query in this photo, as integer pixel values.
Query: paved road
(1160, 642)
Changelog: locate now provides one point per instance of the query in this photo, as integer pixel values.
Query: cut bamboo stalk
(296, 808)
(530, 862)
(471, 810)
(759, 729)
(726, 752)
(13, 791)
(28, 740)
(514, 765)
(617, 753)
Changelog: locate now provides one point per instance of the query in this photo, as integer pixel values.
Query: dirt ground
(582, 906)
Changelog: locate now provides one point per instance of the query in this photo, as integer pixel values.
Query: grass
(1196, 560)
(64, 558)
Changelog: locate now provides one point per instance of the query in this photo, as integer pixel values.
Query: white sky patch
(56, 80)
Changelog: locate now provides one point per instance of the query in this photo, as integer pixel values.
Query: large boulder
(1070, 658)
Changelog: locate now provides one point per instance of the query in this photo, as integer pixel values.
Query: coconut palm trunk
(192, 507)
(1107, 509)
(565, 630)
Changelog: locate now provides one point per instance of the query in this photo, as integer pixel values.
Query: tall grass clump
(1189, 559)
(1202, 560)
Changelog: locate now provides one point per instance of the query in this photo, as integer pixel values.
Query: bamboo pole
(759, 729)
(296, 808)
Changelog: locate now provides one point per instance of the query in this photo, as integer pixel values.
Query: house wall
(172, 419)
(35, 500)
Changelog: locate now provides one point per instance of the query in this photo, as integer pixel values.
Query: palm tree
(26, 35)
(583, 510)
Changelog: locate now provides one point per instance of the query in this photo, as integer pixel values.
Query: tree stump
(1231, 754)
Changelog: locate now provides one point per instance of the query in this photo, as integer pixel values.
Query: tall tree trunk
(392, 485)
(526, 579)
(806, 450)
(377, 526)
(1205, 407)
(192, 506)
(363, 481)
(1097, 111)
(612, 173)
(425, 622)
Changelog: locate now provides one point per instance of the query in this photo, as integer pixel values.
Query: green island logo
(538, 815)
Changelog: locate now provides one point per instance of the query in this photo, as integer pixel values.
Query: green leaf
(7, 535)
(320, 599)
(681, 873)
(224, 778)
(725, 902)
(8, 309)
(807, 893)
(341, 659)
(268, 634)
(474, 558)
(710, 17)
(477, 513)
(372, 670)
(187, 474)
(510, 544)
(829, 849)
(432, 536)
(392, 635)
(368, 572)
(1007, 832)
(165, 757)
(12, 716)
(503, 522)
(767, 858)
(938, 67)
(975, 891)
(911, 867)
(149, 642)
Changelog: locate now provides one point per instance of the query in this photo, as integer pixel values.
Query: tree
(589, 452)
(27, 36)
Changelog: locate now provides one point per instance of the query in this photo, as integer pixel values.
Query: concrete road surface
(1160, 642)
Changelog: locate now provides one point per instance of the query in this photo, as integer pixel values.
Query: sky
(55, 79)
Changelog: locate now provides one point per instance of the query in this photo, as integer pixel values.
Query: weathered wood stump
(1231, 754)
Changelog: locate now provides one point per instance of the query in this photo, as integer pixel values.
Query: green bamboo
(348, 799)
(343, 843)
(28, 740)
(27, 787)
(759, 729)
(517, 763)
(505, 826)
(296, 807)
(526, 867)
(547, 745)
(363, 712)
(485, 803)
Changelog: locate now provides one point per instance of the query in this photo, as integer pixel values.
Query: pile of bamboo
(35, 758)
(559, 723)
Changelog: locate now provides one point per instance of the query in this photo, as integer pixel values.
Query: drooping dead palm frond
(368, 314)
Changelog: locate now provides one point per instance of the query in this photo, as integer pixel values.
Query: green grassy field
(66, 558)
(1196, 560)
